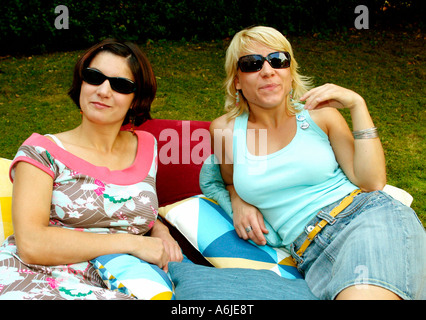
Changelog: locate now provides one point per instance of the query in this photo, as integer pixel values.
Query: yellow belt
(342, 205)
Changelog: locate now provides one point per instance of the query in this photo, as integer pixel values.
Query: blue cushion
(210, 230)
(130, 275)
(195, 282)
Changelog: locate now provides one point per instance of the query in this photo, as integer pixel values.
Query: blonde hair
(243, 41)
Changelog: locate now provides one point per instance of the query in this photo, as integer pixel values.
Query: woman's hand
(331, 95)
(152, 250)
(248, 216)
(171, 246)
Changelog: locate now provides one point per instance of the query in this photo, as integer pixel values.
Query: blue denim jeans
(376, 240)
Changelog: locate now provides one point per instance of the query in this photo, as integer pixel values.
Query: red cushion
(182, 148)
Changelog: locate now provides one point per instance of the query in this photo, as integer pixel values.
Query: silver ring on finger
(249, 228)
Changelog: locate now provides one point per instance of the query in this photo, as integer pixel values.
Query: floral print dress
(85, 198)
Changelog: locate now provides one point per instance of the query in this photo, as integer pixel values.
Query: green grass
(386, 69)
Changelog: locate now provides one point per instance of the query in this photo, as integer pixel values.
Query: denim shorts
(376, 240)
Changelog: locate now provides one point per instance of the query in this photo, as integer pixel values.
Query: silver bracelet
(369, 133)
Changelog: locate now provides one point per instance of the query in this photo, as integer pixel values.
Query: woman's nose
(267, 70)
(104, 89)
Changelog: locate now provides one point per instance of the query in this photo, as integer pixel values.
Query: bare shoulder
(222, 123)
(326, 118)
(221, 132)
(65, 137)
(54, 137)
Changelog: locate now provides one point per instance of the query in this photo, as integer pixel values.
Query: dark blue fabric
(196, 282)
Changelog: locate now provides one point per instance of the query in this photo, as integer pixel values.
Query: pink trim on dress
(34, 163)
(137, 172)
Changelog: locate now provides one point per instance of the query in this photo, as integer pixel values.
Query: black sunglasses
(254, 62)
(121, 85)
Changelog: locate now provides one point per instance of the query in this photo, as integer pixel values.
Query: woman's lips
(100, 105)
(270, 86)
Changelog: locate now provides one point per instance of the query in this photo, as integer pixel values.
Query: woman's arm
(244, 214)
(160, 230)
(39, 243)
(362, 160)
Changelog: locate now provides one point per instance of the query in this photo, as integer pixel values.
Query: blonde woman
(300, 168)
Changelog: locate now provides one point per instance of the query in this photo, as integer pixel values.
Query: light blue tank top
(291, 185)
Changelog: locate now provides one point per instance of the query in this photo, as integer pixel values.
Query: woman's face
(100, 103)
(267, 88)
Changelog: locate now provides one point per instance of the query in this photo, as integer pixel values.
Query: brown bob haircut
(146, 84)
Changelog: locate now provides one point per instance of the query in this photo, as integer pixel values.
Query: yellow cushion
(6, 228)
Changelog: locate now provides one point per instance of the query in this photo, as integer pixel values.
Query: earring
(132, 117)
(291, 94)
(237, 98)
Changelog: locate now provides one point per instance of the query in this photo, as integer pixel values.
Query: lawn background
(386, 68)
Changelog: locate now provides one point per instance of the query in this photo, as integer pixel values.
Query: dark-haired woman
(89, 191)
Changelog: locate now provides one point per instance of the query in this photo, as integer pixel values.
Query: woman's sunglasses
(254, 62)
(121, 85)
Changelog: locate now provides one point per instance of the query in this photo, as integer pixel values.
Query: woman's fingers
(330, 95)
(252, 228)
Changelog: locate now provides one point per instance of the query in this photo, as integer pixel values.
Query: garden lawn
(386, 69)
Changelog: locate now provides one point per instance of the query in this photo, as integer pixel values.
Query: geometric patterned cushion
(210, 230)
(130, 275)
(6, 227)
